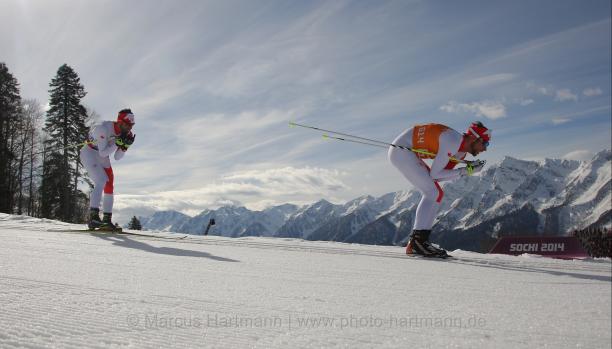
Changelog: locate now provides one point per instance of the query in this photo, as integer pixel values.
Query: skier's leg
(429, 205)
(93, 164)
(417, 173)
(107, 205)
(107, 202)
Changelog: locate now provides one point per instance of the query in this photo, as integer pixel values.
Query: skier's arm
(447, 146)
(105, 148)
(438, 171)
(119, 154)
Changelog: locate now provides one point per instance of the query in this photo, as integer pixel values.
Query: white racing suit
(424, 178)
(96, 159)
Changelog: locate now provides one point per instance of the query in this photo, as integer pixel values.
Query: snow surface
(81, 290)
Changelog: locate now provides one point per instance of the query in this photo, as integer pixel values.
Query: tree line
(40, 171)
(596, 241)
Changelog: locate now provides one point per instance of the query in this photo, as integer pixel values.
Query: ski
(110, 229)
(414, 255)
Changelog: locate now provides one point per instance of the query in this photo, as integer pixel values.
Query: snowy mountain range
(514, 197)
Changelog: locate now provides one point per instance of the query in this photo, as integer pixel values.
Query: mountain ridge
(525, 197)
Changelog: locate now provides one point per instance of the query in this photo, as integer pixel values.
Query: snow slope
(83, 290)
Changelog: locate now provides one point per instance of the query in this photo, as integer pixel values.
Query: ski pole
(380, 143)
(387, 145)
(326, 136)
(68, 147)
(338, 133)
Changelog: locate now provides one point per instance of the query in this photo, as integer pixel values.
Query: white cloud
(547, 90)
(220, 127)
(489, 109)
(559, 121)
(565, 95)
(525, 102)
(590, 92)
(560, 95)
(581, 155)
(490, 80)
(255, 188)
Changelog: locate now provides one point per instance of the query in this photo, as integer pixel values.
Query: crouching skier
(443, 145)
(105, 139)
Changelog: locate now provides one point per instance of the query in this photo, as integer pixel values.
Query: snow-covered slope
(82, 290)
(516, 196)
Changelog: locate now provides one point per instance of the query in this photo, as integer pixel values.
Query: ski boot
(94, 221)
(108, 225)
(419, 245)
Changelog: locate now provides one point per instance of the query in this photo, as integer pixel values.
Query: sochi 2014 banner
(550, 246)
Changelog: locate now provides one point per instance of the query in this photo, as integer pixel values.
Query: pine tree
(10, 102)
(134, 224)
(65, 126)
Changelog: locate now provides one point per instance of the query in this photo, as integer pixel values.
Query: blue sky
(214, 84)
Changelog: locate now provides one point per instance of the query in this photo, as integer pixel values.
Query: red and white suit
(96, 159)
(437, 139)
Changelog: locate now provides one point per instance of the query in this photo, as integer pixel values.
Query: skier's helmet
(478, 130)
(126, 116)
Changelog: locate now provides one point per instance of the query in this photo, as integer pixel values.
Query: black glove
(124, 140)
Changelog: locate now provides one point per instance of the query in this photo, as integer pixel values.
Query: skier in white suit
(108, 138)
(444, 146)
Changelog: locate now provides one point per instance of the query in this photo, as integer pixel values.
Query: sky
(214, 84)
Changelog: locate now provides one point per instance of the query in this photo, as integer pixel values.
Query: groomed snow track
(98, 290)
